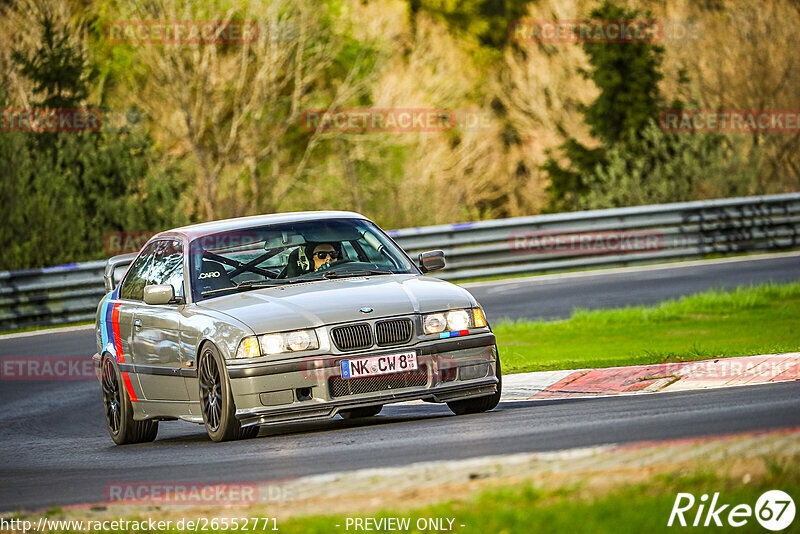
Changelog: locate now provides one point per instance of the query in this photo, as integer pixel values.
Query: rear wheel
(357, 413)
(119, 411)
(480, 404)
(216, 399)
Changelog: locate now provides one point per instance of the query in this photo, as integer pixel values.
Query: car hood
(325, 302)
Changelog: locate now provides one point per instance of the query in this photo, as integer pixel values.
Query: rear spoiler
(116, 267)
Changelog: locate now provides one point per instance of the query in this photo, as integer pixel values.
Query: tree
(62, 191)
(635, 162)
(57, 68)
(627, 75)
(236, 111)
(653, 167)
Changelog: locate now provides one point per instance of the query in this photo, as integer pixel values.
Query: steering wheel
(331, 266)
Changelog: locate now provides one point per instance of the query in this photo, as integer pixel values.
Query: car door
(119, 311)
(157, 329)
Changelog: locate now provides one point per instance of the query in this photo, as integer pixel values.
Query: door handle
(137, 323)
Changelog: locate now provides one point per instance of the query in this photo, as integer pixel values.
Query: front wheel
(480, 404)
(216, 399)
(121, 426)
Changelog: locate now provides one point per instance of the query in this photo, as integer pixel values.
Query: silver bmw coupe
(282, 318)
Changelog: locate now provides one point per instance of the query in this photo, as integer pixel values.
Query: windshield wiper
(244, 286)
(249, 284)
(334, 274)
(256, 284)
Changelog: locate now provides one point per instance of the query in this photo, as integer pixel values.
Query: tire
(357, 413)
(121, 426)
(216, 399)
(480, 404)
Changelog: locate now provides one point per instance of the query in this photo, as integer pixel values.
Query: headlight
(453, 321)
(289, 341)
(458, 320)
(299, 340)
(434, 323)
(273, 343)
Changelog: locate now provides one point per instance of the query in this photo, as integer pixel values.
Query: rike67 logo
(774, 510)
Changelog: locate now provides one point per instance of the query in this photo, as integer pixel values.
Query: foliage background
(205, 132)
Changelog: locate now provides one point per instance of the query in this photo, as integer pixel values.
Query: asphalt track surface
(554, 297)
(54, 449)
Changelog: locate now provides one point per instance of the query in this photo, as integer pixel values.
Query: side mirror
(432, 260)
(159, 294)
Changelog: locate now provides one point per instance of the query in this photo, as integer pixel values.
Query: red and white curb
(721, 372)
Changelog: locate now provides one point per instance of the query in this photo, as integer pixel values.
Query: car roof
(226, 225)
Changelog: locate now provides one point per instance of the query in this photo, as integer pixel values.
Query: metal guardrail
(50, 296)
(536, 244)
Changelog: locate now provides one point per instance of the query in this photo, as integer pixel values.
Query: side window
(167, 266)
(136, 278)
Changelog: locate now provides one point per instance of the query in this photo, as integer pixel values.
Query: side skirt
(149, 409)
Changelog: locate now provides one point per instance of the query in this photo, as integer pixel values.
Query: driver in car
(324, 254)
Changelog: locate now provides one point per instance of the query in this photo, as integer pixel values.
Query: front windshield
(277, 254)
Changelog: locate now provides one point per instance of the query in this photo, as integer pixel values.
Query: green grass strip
(631, 508)
(746, 321)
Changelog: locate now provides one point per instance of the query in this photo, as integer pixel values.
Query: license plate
(379, 365)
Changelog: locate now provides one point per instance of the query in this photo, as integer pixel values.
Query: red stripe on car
(126, 377)
(117, 335)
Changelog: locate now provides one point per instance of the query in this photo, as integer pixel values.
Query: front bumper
(311, 388)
